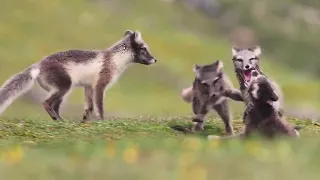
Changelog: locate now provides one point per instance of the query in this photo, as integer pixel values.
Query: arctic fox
(210, 90)
(260, 114)
(95, 70)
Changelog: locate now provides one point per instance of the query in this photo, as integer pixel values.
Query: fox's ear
(137, 36)
(219, 65)
(256, 50)
(235, 51)
(195, 67)
(128, 32)
(274, 97)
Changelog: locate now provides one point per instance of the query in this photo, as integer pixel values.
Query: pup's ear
(195, 67)
(274, 97)
(256, 50)
(219, 65)
(128, 32)
(235, 51)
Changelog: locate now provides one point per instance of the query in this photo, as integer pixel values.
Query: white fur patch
(14, 91)
(83, 74)
(255, 91)
(187, 94)
(297, 133)
(121, 62)
(234, 51)
(257, 51)
(35, 73)
(138, 38)
(220, 66)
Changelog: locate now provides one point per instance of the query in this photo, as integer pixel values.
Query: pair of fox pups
(261, 118)
(94, 70)
(211, 88)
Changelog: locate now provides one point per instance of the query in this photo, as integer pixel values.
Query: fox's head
(139, 48)
(210, 75)
(246, 60)
(260, 88)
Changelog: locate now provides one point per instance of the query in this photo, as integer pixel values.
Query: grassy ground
(178, 38)
(34, 147)
(147, 148)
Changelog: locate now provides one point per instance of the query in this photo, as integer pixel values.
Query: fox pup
(95, 70)
(210, 89)
(260, 113)
(247, 60)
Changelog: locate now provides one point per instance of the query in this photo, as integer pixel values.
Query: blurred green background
(180, 33)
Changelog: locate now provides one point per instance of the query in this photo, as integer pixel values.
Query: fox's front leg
(234, 94)
(200, 111)
(88, 107)
(98, 97)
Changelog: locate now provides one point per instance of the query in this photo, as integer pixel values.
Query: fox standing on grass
(210, 90)
(95, 70)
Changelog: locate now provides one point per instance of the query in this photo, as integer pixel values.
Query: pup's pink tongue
(247, 75)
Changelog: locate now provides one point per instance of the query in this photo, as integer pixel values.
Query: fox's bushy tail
(187, 94)
(17, 85)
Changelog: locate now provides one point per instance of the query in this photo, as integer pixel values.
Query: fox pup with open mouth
(260, 114)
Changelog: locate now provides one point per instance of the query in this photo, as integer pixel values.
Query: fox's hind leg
(52, 104)
(88, 91)
(200, 111)
(58, 83)
(224, 113)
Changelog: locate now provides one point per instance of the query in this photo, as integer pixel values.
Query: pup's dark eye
(252, 59)
(215, 81)
(238, 59)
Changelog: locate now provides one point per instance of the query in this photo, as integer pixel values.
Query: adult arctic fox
(95, 70)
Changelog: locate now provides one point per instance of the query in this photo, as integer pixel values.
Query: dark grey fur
(245, 61)
(211, 86)
(261, 117)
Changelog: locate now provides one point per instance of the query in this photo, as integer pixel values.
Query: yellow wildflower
(110, 151)
(253, 147)
(13, 156)
(187, 158)
(193, 144)
(214, 143)
(130, 155)
(196, 172)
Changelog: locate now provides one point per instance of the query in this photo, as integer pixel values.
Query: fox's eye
(215, 81)
(252, 59)
(238, 59)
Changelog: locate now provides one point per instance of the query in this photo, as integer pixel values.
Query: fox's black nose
(247, 66)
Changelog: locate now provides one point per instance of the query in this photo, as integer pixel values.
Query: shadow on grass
(208, 130)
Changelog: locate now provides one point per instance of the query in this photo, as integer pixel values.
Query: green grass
(147, 148)
(34, 147)
(177, 37)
